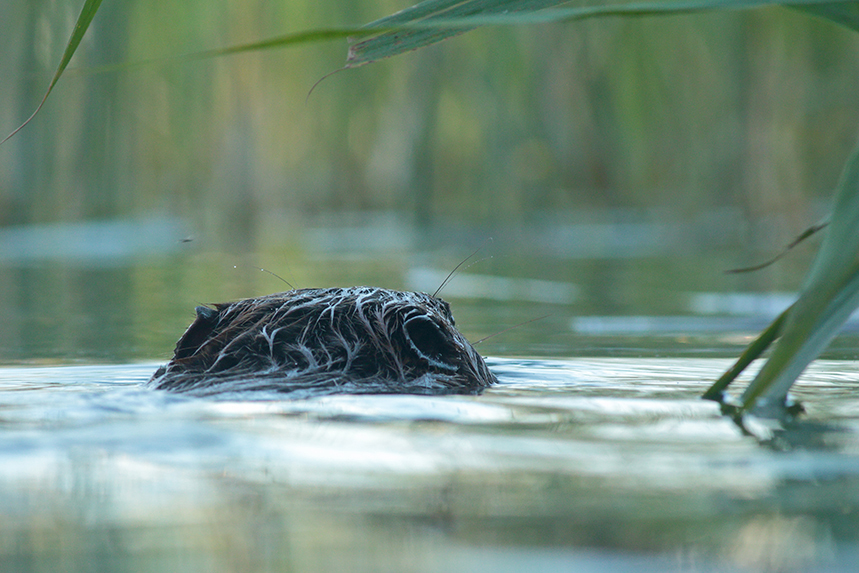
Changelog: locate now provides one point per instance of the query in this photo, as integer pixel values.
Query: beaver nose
(429, 341)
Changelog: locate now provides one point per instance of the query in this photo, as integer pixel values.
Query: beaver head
(323, 341)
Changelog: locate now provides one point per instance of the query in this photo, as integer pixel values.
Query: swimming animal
(310, 342)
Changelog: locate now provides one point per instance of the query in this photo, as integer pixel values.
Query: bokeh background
(619, 167)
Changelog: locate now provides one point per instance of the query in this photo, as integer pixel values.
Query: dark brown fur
(309, 342)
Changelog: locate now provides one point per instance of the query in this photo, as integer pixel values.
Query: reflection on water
(476, 286)
(125, 290)
(605, 462)
(96, 243)
(659, 325)
(581, 465)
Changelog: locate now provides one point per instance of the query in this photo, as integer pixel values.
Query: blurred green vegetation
(586, 150)
(752, 110)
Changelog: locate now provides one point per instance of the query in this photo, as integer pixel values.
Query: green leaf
(843, 13)
(81, 26)
(435, 20)
(828, 297)
(752, 352)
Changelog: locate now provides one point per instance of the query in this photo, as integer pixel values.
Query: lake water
(599, 464)
(593, 453)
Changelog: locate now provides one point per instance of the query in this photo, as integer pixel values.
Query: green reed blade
(829, 296)
(844, 13)
(751, 353)
(433, 21)
(87, 14)
(436, 20)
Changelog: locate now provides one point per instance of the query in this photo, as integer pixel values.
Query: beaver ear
(196, 334)
(428, 340)
(447, 313)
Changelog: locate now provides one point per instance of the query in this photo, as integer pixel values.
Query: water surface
(594, 453)
(580, 464)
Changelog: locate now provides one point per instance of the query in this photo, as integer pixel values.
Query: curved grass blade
(843, 13)
(828, 298)
(813, 327)
(435, 20)
(87, 14)
(749, 355)
(803, 236)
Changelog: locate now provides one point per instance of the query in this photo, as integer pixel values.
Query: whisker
(289, 284)
(456, 268)
(277, 276)
(486, 258)
(510, 328)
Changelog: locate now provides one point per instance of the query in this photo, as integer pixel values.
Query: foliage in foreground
(827, 299)
(831, 290)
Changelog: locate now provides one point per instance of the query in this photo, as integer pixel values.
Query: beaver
(317, 341)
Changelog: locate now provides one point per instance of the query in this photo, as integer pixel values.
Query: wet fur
(310, 342)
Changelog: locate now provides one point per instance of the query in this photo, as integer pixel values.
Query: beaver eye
(428, 340)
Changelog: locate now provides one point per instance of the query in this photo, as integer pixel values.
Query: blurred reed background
(120, 199)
